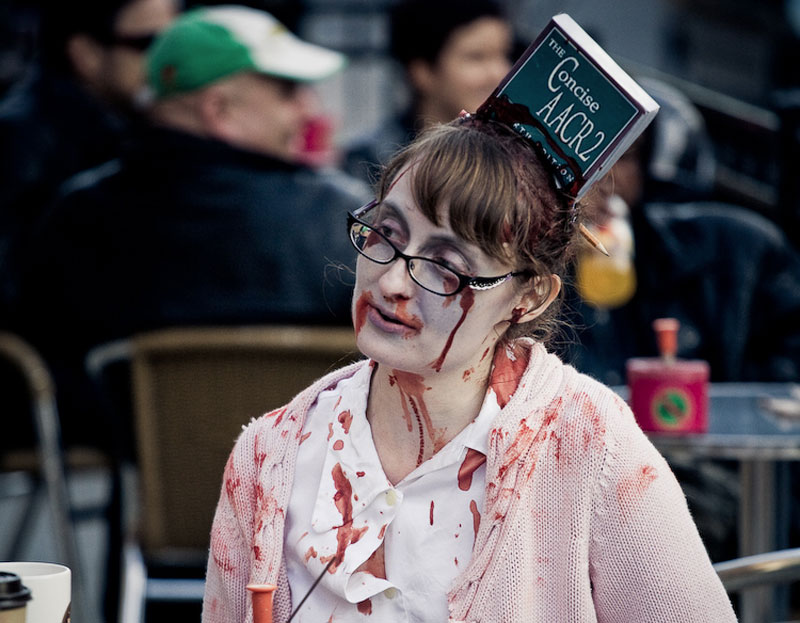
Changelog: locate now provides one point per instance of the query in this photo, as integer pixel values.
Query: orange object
(667, 336)
(262, 601)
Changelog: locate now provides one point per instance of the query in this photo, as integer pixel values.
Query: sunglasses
(140, 43)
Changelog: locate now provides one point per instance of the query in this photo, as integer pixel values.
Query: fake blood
(363, 303)
(631, 489)
(472, 461)
(508, 367)
(466, 301)
(345, 534)
(365, 607)
(411, 387)
(476, 516)
(345, 419)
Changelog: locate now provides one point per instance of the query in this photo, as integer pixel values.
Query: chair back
(194, 389)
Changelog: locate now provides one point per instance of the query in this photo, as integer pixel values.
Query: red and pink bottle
(667, 394)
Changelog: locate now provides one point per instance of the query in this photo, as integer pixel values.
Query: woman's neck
(414, 416)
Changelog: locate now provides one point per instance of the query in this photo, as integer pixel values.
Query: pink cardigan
(583, 519)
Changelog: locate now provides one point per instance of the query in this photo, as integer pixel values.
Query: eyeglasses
(432, 275)
(139, 43)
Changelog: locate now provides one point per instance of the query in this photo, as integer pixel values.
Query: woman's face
(402, 325)
(475, 58)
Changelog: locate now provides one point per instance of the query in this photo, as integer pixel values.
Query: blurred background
(736, 59)
(737, 62)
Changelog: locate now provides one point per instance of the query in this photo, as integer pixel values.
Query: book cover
(568, 95)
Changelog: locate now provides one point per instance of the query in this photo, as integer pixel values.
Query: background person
(461, 472)
(70, 111)
(453, 54)
(205, 218)
(727, 274)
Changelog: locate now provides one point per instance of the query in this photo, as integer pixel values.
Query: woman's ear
(538, 299)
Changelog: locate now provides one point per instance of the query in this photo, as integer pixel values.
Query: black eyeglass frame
(464, 281)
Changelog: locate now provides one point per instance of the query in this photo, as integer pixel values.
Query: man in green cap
(207, 217)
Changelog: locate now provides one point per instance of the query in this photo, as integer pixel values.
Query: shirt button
(391, 497)
(390, 593)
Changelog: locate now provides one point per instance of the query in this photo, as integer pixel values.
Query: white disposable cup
(51, 590)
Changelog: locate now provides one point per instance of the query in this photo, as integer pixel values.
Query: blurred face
(266, 115)
(122, 67)
(470, 65)
(402, 325)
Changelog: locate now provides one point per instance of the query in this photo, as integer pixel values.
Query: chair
(777, 567)
(46, 461)
(193, 390)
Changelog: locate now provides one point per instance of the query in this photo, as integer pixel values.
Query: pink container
(667, 394)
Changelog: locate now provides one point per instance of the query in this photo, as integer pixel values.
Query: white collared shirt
(342, 502)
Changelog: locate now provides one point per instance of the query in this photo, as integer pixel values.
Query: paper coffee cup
(51, 590)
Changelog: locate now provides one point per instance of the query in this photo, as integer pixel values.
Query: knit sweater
(583, 520)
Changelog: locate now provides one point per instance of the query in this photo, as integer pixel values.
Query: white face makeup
(402, 325)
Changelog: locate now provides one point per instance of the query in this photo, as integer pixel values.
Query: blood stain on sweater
(521, 443)
(472, 461)
(466, 300)
(310, 553)
(431, 513)
(220, 553)
(632, 488)
(338, 444)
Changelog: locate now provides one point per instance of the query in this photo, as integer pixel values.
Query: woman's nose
(395, 280)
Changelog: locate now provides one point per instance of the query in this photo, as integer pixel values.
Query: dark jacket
(185, 231)
(727, 274)
(50, 129)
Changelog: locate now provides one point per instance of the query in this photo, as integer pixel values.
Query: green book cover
(569, 96)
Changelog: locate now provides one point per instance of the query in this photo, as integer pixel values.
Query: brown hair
(500, 196)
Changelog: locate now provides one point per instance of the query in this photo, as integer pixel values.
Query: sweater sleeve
(230, 557)
(647, 561)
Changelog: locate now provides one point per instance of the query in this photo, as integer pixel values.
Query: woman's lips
(392, 323)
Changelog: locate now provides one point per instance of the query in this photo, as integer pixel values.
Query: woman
(460, 473)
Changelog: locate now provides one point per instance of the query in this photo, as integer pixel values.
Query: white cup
(51, 590)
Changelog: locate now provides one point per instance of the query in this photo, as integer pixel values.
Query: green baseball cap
(209, 43)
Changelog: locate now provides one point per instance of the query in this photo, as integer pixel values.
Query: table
(744, 426)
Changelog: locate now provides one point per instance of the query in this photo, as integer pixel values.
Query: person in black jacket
(729, 275)
(70, 110)
(205, 218)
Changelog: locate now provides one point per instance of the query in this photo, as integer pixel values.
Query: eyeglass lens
(430, 275)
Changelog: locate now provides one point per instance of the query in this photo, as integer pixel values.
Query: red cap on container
(667, 336)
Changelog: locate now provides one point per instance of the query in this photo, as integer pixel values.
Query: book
(569, 97)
